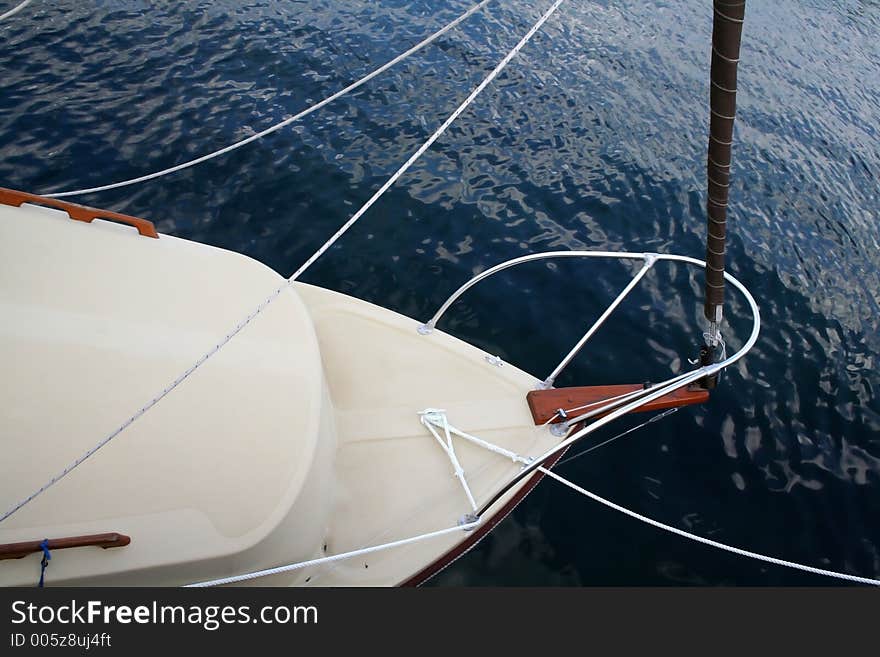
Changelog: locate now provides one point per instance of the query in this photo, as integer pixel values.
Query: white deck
(97, 321)
(394, 480)
(301, 433)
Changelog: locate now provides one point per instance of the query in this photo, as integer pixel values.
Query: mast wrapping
(726, 36)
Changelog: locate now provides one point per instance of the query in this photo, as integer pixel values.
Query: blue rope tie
(44, 545)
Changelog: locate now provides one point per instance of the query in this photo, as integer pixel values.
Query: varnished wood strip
(19, 550)
(77, 212)
(544, 403)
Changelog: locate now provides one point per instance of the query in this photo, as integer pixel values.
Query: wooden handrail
(77, 212)
(19, 550)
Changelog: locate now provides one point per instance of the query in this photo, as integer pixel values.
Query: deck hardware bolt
(468, 519)
(560, 429)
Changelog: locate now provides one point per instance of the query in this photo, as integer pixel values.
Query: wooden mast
(726, 36)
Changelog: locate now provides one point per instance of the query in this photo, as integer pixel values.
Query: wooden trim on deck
(19, 550)
(77, 212)
(544, 404)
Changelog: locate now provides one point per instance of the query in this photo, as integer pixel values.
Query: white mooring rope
(277, 292)
(278, 126)
(428, 418)
(15, 10)
(707, 541)
(434, 137)
(435, 418)
(336, 557)
(438, 418)
(431, 418)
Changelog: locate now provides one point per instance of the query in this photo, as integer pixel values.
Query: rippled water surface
(594, 137)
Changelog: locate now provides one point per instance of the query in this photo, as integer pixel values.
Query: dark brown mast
(726, 36)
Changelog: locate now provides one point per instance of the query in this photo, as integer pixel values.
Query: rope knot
(435, 416)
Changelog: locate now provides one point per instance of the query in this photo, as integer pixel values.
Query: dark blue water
(594, 137)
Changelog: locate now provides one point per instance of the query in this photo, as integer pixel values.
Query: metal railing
(648, 258)
(624, 404)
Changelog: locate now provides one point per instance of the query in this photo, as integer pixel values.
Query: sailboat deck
(381, 372)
